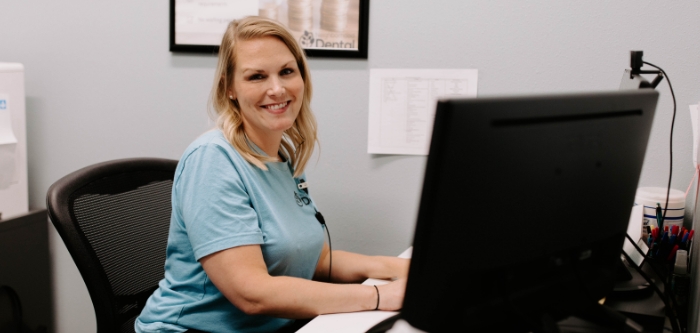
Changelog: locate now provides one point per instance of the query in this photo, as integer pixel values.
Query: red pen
(673, 253)
(686, 244)
(674, 230)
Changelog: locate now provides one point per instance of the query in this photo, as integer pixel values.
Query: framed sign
(324, 28)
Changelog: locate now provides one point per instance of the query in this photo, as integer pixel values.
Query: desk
(648, 310)
(352, 322)
(360, 322)
(24, 266)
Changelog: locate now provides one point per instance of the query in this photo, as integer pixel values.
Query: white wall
(101, 85)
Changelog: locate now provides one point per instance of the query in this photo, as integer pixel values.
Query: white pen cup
(649, 197)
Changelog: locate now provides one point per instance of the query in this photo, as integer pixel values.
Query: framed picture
(324, 28)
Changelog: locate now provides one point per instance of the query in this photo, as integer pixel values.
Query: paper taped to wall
(696, 133)
(402, 106)
(8, 146)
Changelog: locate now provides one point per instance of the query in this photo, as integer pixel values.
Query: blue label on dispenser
(3, 104)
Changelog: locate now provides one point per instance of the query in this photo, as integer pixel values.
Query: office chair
(114, 218)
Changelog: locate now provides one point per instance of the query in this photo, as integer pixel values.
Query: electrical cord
(645, 255)
(669, 311)
(669, 303)
(668, 193)
(673, 121)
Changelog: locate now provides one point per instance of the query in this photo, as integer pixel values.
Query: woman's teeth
(277, 106)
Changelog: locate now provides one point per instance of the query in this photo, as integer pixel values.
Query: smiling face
(268, 86)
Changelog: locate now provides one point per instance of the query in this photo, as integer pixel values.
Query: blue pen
(662, 244)
(685, 239)
(672, 239)
(659, 216)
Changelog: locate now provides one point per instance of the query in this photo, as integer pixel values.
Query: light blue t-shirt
(221, 201)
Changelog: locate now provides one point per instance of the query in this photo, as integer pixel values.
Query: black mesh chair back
(114, 218)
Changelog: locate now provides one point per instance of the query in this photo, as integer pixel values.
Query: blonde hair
(298, 141)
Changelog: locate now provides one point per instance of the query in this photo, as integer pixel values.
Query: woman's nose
(276, 87)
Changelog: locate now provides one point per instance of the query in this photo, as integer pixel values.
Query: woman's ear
(229, 92)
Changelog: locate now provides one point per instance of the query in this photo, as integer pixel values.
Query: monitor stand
(629, 282)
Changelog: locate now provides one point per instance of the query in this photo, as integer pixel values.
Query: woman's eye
(255, 77)
(287, 71)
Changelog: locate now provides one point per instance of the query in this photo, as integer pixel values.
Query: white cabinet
(14, 198)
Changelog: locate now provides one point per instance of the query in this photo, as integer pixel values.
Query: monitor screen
(524, 208)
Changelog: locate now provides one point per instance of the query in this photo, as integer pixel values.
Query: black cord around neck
(330, 253)
(322, 220)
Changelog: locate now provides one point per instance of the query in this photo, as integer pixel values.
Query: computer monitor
(524, 208)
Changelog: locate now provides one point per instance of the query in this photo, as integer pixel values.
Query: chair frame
(60, 214)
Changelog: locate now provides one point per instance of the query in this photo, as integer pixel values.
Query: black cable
(322, 220)
(669, 311)
(330, 252)
(673, 121)
(673, 298)
(645, 255)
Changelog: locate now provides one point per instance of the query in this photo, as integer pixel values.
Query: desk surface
(352, 322)
(360, 322)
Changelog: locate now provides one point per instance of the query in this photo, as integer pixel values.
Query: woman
(246, 252)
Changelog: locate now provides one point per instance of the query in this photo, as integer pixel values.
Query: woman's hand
(391, 295)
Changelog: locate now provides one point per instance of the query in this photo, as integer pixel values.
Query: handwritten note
(402, 106)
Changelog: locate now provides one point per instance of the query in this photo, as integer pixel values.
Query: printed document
(402, 106)
(696, 132)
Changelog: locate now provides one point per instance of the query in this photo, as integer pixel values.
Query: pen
(659, 217)
(684, 239)
(662, 245)
(686, 245)
(673, 253)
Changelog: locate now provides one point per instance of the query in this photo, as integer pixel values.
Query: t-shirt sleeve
(213, 202)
